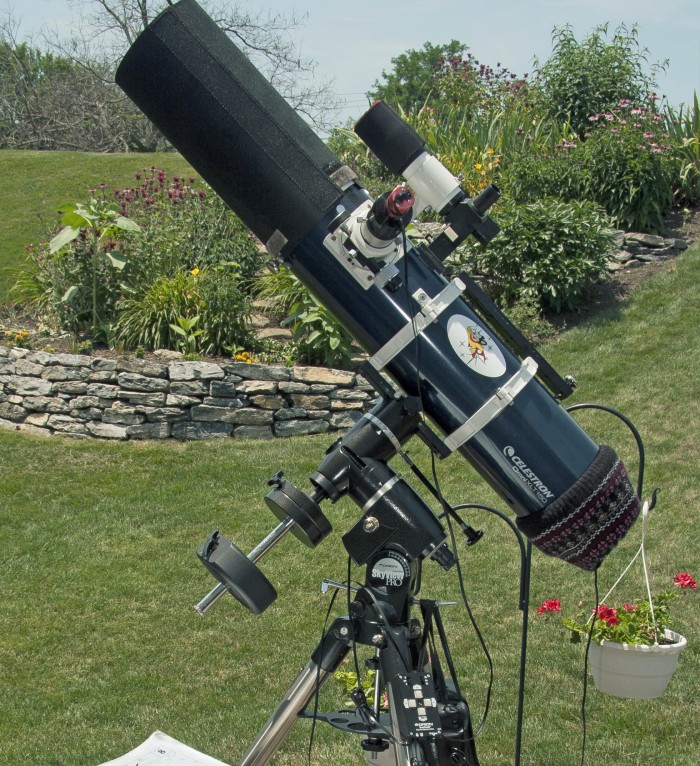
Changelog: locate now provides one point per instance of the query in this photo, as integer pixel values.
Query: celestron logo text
(527, 476)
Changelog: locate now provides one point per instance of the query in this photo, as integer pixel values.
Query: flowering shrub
(627, 165)
(462, 80)
(186, 256)
(639, 623)
(583, 77)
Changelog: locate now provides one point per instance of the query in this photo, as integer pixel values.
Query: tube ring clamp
(429, 312)
(493, 406)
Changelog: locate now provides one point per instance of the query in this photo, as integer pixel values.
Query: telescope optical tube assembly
(572, 498)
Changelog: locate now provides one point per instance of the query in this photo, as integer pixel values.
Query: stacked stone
(128, 398)
(635, 248)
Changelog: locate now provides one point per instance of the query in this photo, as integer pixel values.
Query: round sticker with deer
(475, 347)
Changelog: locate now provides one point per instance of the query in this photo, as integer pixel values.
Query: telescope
(449, 367)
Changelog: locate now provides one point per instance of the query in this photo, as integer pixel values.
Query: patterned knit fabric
(586, 522)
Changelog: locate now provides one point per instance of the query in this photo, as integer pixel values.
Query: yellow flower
(194, 271)
(478, 166)
(489, 150)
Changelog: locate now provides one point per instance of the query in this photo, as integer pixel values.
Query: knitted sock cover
(588, 520)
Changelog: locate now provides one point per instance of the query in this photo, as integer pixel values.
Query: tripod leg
(325, 661)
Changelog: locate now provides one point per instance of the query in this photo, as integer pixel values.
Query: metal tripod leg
(325, 661)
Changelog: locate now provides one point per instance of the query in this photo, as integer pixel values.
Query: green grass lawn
(36, 183)
(99, 645)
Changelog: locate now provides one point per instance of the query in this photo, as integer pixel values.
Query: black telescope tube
(573, 498)
(227, 121)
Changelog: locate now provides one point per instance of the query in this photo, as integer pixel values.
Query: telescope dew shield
(227, 121)
(573, 498)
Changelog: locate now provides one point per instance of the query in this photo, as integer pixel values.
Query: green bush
(318, 336)
(592, 76)
(627, 164)
(627, 168)
(211, 297)
(225, 309)
(683, 128)
(145, 318)
(548, 251)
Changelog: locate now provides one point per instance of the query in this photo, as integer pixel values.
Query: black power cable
(640, 484)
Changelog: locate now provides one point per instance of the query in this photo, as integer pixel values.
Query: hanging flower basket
(635, 672)
(633, 651)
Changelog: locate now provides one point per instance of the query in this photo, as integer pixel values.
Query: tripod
(427, 721)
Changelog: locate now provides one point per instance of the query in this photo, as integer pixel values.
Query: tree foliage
(49, 101)
(411, 82)
(448, 76)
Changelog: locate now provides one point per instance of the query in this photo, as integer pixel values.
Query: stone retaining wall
(83, 396)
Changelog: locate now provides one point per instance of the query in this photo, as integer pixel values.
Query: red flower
(608, 614)
(550, 605)
(685, 580)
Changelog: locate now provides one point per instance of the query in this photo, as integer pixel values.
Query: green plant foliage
(185, 328)
(411, 82)
(224, 309)
(97, 222)
(443, 76)
(639, 623)
(166, 249)
(627, 165)
(683, 129)
(319, 337)
(146, 318)
(525, 312)
(592, 76)
(548, 251)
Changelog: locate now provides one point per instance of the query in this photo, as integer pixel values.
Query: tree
(49, 101)
(411, 83)
(61, 95)
(448, 76)
(581, 79)
(108, 27)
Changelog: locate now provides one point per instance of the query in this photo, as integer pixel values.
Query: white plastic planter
(635, 672)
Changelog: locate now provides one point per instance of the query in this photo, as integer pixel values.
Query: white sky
(353, 41)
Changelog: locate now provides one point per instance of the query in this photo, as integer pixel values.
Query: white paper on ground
(161, 750)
